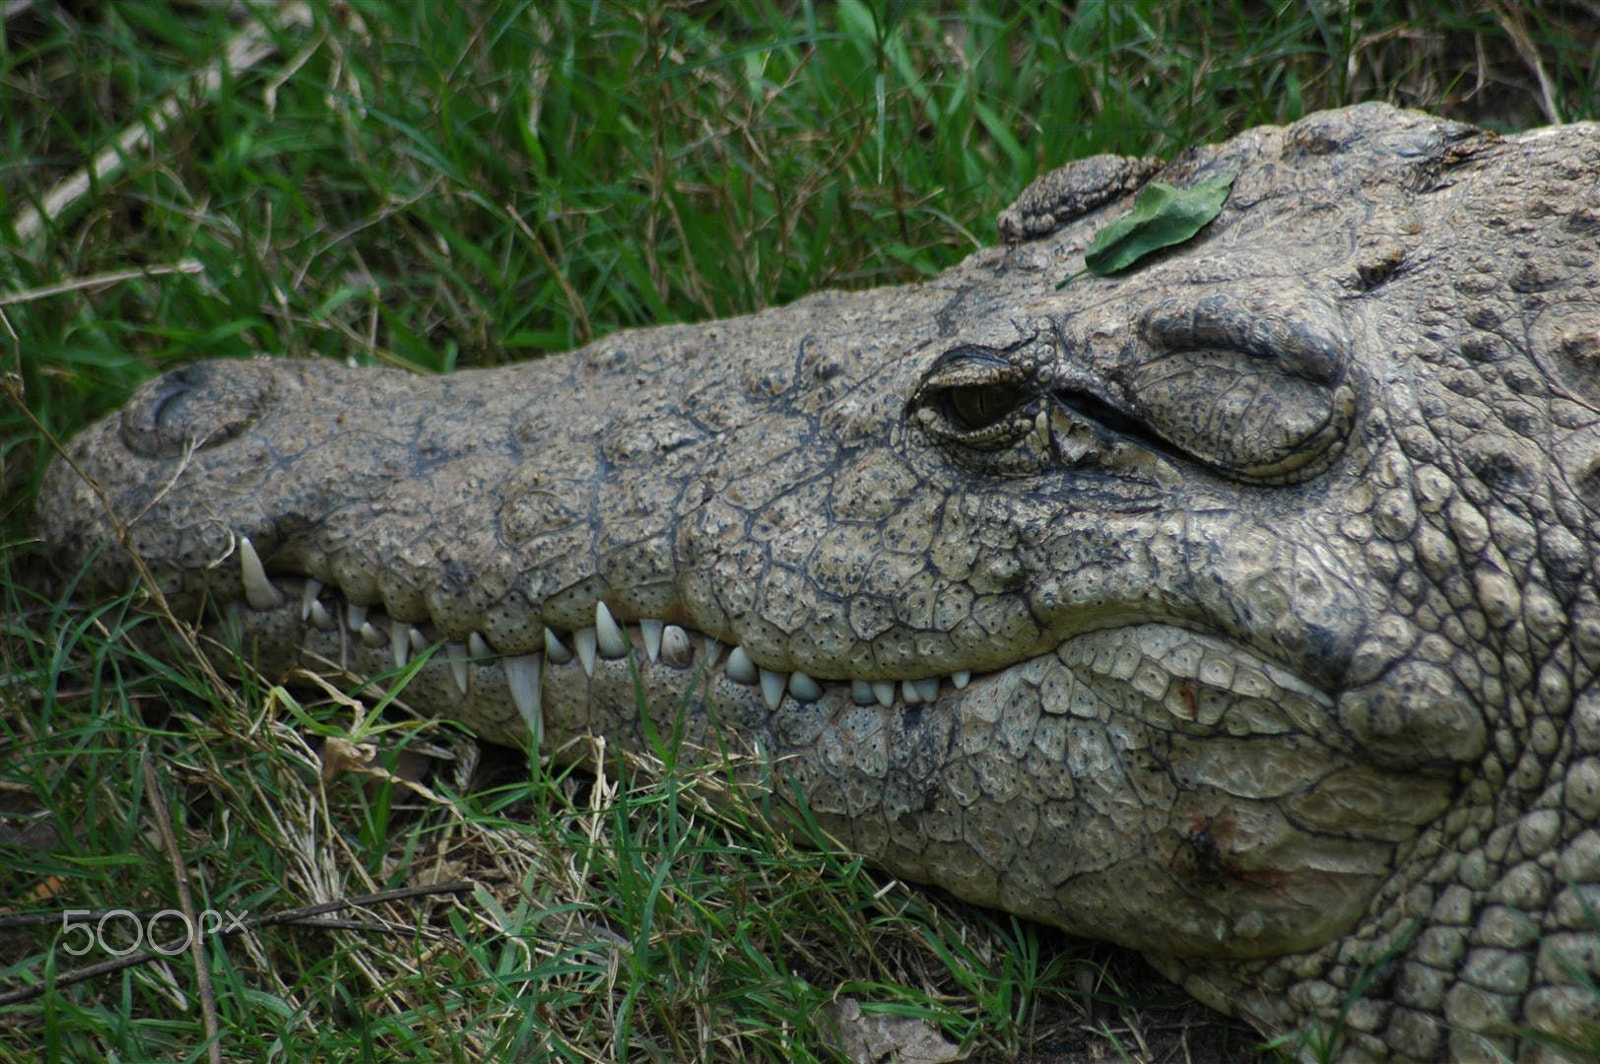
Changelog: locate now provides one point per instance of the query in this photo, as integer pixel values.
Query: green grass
(498, 181)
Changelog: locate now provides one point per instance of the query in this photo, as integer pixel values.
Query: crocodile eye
(979, 406)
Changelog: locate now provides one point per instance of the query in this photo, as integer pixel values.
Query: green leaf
(1161, 217)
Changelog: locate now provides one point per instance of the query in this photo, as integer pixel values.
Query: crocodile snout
(197, 406)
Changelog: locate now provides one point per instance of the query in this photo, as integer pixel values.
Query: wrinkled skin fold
(1240, 608)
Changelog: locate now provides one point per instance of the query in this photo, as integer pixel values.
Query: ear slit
(1097, 411)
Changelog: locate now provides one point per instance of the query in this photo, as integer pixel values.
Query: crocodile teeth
(321, 617)
(609, 637)
(961, 679)
(928, 689)
(883, 691)
(713, 651)
(909, 693)
(675, 647)
(399, 643)
(555, 650)
(772, 687)
(258, 590)
(586, 642)
(652, 638)
(861, 692)
(478, 647)
(356, 617)
(803, 687)
(308, 597)
(419, 642)
(740, 668)
(456, 655)
(522, 676)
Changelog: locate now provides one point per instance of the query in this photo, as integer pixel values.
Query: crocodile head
(1240, 608)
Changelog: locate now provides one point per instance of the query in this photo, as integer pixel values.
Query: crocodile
(1239, 608)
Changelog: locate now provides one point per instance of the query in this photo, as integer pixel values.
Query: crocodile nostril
(172, 386)
(199, 405)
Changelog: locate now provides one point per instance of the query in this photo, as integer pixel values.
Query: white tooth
(961, 679)
(419, 642)
(371, 636)
(585, 642)
(356, 617)
(883, 691)
(258, 590)
(909, 693)
(740, 668)
(456, 655)
(652, 638)
(804, 687)
(400, 643)
(477, 647)
(675, 648)
(928, 689)
(772, 685)
(308, 597)
(555, 649)
(321, 617)
(713, 651)
(861, 693)
(522, 676)
(608, 636)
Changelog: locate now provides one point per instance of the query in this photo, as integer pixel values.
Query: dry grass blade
(102, 280)
(1517, 30)
(180, 878)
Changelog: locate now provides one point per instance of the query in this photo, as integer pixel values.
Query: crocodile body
(1241, 608)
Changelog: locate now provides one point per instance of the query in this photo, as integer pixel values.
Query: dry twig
(247, 49)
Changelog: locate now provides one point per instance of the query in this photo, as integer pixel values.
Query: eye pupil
(979, 406)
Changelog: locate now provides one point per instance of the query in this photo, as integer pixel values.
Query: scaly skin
(1272, 560)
